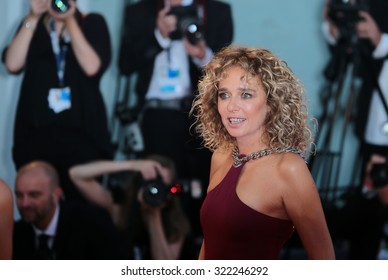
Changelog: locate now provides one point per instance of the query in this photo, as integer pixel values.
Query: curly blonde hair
(285, 123)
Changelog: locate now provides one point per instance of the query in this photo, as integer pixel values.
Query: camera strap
(60, 51)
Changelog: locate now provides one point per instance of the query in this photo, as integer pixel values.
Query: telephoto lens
(188, 23)
(60, 6)
(192, 30)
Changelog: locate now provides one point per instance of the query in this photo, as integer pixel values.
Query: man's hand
(367, 28)
(198, 50)
(166, 23)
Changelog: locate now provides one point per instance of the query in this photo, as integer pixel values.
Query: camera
(156, 192)
(379, 175)
(189, 24)
(60, 6)
(345, 15)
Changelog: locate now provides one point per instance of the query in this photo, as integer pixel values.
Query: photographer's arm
(200, 53)
(329, 29)
(367, 28)
(86, 55)
(161, 249)
(16, 54)
(148, 168)
(165, 23)
(84, 177)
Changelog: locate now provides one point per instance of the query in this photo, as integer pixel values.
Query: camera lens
(155, 193)
(188, 23)
(193, 33)
(60, 6)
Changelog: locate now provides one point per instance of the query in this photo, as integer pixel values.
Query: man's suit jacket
(84, 232)
(139, 46)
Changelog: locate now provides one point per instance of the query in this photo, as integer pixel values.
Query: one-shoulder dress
(234, 231)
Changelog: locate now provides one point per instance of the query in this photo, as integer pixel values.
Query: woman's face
(242, 105)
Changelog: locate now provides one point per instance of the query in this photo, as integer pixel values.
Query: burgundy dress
(233, 230)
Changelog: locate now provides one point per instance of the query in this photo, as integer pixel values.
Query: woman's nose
(233, 105)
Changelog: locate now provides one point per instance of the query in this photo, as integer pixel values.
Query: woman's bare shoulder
(291, 164)
(220, 161)
(220, 157)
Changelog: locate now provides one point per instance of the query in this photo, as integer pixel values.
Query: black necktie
(44, 252)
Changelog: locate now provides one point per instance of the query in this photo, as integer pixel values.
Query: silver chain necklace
(237, 161)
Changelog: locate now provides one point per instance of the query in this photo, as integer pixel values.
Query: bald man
(52, 228)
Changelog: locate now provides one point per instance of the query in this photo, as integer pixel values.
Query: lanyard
(59, 52)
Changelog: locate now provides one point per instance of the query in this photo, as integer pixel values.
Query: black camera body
(188, 23)
(379, 175)
(345, 15)
(157, 193)
(60, 6)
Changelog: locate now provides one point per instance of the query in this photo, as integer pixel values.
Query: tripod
(336, 119)
(125, 131)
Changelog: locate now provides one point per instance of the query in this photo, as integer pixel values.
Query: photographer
(369, 39)
(61, 115)
(168, 62)
(359, 30)
(373, 241)
(158, 229)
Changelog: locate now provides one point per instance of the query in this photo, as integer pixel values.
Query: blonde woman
(251, 113)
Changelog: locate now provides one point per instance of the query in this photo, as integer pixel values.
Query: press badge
(59, 99)
(169, 80)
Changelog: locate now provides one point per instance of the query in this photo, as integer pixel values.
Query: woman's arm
(303, 206)
(16, 54)
(202, 251)
(84, 177)
(6, 221)
(148, 168)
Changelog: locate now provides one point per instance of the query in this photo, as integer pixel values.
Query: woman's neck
(247, 147)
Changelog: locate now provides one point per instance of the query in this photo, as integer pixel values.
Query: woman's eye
(246, 95)
(222, 95)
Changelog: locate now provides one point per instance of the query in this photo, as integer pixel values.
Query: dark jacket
(84, 232)
(139, 46)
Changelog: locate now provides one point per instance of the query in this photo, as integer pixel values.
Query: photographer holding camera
(61, 116)
(166, 43)
(143, 204)
(373, 241)
(370, 41)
